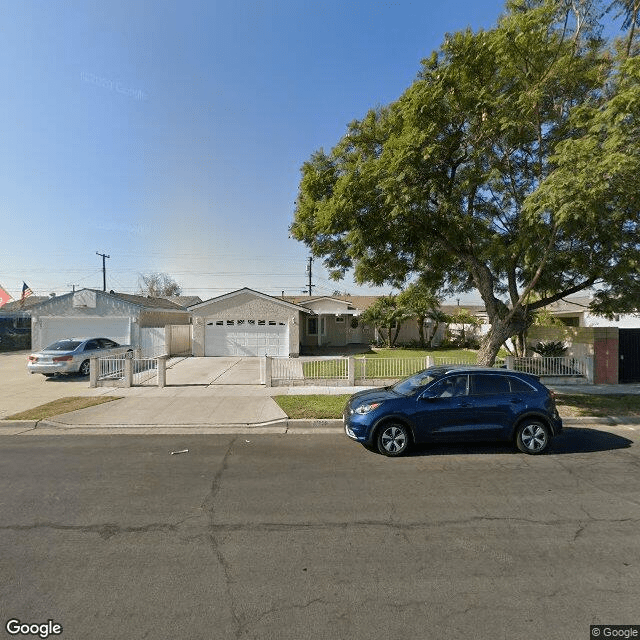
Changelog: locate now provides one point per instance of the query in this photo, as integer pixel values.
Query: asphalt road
(315, 537)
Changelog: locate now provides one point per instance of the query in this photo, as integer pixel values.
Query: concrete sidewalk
(215, 409)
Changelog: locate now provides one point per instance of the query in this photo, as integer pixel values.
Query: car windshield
(63, 345)
(408, 386)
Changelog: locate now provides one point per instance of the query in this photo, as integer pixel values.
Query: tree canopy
(504, 167)
(158, 285)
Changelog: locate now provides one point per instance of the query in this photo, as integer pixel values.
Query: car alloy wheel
(85, 368)
(532, 437)
(393, 439)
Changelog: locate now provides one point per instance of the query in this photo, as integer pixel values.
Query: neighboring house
(614, 343)
(574, 312)
(247, 323)
(15, 323)
(128, 319)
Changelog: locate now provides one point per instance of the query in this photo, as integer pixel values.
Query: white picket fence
(366, 371)
(111, 369)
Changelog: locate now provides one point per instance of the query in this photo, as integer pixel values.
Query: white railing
(144, 369)
(327, 369)
(552, 367)
(111, 367)
(388, 368)
(365, 371)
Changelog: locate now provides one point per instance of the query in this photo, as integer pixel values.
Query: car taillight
(63, 358)
(33, 359)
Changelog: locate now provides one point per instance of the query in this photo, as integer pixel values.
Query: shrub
(550, 349)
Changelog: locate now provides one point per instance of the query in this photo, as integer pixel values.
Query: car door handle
(515, 400)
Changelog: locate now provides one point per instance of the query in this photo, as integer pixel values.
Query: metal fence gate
(629, 354)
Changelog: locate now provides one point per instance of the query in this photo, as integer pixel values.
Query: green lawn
(321, 407)
(376, 367)
(62, 405)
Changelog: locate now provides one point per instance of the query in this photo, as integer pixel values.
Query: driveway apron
(214, 371)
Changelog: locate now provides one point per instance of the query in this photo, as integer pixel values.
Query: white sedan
(73, 355)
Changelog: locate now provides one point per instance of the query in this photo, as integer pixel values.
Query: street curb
(283, 426)
(18, 424)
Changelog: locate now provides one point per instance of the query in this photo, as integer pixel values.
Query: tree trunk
(499, 333)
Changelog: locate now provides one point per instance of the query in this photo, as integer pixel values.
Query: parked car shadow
(67, 377)
(571, 440)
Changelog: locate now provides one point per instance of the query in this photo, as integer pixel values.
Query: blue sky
(170, 135)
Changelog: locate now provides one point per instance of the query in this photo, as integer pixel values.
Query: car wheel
(533, 437)
(85, 368)
(393, 439)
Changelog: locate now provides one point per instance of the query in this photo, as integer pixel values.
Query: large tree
(158, 285)
(444, 180)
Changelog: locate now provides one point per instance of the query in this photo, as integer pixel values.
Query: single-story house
(575, 312)
(15, 323)
(125, 318)
(335, 322)
(247, 323)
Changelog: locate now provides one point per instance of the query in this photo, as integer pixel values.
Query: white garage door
(53, 329)
(246, 338)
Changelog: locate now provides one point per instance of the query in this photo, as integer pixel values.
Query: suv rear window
(485, 385)
(520, 386)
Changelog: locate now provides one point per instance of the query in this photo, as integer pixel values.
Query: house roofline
(264, 296)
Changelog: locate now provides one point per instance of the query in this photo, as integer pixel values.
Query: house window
(312, 326)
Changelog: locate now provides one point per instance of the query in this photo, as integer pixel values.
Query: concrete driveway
(20, 390)
(214, 371)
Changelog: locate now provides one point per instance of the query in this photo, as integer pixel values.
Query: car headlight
(367, 407)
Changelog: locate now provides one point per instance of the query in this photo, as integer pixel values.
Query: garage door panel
(246, 338)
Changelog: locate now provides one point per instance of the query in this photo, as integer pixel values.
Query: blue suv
(454, 404)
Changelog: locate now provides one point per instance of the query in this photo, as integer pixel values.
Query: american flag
(26, 292)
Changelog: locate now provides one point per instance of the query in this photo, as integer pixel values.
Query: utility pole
(74, 286)
(309, 272)
(104, 269)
